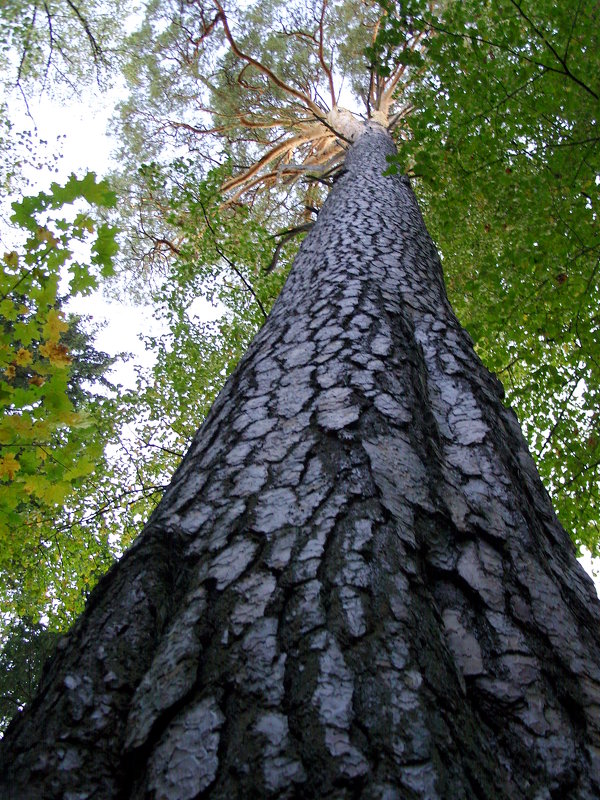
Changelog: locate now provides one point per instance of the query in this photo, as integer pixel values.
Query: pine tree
(355, 585)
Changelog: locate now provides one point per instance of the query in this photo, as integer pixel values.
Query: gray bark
(355, 586)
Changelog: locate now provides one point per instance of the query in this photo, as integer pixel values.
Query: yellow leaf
(12, 259)
(9, 466)
(37, 380)
(55, 325)
(57, 353)
(56, 492)
(24, 357)
(36, 484)
(10, 372)
(41, 428)
(71, 418)
(20, 424)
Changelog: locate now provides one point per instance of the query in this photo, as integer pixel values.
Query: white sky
(79, 131)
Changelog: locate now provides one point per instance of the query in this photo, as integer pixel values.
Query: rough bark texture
(355, 585)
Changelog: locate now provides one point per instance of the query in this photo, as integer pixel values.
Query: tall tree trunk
(355, 585)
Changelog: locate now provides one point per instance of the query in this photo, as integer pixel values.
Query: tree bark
(355, 585)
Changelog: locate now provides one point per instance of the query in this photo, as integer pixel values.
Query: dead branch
(287, 145)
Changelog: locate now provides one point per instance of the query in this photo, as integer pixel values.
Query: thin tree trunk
(355, 585)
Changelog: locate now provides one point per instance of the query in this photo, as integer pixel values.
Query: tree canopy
(45, 44)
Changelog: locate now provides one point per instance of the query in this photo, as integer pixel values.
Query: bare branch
(389, 87)
(97, 52)
(286, 146)
(193, 128)
(26, 45)
(285, 238)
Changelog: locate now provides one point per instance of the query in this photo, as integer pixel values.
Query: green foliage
(504, 144)
(57, 41)
(222, 257)
(49, 442)
(24, 648)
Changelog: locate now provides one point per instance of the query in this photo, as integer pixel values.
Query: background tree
(26, 647)
(56, 406)
(49, 47)
(55, 42)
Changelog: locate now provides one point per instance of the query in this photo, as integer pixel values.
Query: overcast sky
(77, 131)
